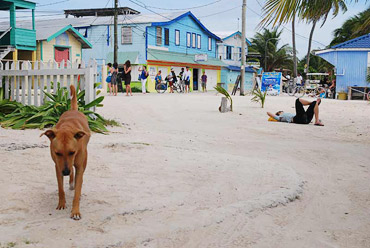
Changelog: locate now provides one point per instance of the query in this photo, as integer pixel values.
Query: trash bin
(342, 96)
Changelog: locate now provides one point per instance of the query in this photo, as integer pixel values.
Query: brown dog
(68, 148)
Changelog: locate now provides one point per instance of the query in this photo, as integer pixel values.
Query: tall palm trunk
(294, 49)
(309, 45)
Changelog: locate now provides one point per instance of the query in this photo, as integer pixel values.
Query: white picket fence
(27, 80)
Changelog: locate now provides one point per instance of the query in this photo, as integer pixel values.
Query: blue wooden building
(174, 40)
(351, 60)
(229, 51)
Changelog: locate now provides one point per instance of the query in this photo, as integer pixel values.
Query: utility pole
(115, 31)
(242, 68)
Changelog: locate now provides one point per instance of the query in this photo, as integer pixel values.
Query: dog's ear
(79, 134)
(50, 134)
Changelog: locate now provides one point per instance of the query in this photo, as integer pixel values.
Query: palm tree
(266, 44)
(314, 11)
(278, 12)
(352, 28)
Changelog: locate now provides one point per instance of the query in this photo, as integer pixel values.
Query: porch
(13, 38)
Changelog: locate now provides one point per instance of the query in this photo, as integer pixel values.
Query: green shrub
(259, 96)
(18, 116)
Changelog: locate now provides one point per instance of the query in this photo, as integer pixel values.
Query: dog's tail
(74, 105)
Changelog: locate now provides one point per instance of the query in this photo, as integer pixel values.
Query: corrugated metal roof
(47, 27)
(359, 42)
(159, 55)
(237, 68)
(122, 57)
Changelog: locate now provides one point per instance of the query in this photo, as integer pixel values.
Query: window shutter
(126, 35)
(166, 36)
(159, 36)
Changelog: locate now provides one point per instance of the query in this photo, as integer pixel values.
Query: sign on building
(201, 57)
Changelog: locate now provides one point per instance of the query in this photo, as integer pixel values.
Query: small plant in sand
(259, 96)
(18, 116)
(224, 92)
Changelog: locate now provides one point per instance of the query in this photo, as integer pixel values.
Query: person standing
(169, 79)
(158, 78)
(114, 80)
(127, 70)
(204, 81)
(143, 77)
(109, 78)
(182, 82)
(299, 79)
(187, 76)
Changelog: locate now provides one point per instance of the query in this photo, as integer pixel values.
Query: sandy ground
(180, 174)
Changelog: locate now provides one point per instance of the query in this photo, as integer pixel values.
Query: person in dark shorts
(187, 76)
(114, 76)
(302, 116)
(127, 69)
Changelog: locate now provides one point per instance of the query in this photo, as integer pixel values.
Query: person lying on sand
(301, 116)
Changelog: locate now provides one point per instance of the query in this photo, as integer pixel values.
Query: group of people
(183, 78)
(113, 78)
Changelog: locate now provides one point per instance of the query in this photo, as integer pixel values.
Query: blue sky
(220, 17)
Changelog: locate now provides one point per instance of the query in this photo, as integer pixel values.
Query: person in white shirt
(299, 79)
(186, 77)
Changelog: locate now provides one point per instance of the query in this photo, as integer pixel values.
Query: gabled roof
(359, 42)
(237, 33)
(49, 33)
(187, 14)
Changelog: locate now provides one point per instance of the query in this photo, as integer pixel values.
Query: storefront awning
(179, 59)
(122, 57)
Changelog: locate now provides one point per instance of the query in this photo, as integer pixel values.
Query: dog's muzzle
(66, 172)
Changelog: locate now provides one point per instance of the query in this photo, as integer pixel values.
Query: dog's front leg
(62, 198)
(75, 214)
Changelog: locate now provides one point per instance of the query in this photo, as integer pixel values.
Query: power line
(284, 27)
(195, 7)
(134, 2)
(48, 4)
(221, 12)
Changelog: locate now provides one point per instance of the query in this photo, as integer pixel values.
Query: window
(209, 44)
(177, 37)
(166, 36)
(239, 53)
(228, 52)
(198, 41)
(83, 31)
(193, 40)
(159, 36)
(126, 35)
(188, 39)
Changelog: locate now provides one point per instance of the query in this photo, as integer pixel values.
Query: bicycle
(161, 87)
(366, 95)
(176, 86)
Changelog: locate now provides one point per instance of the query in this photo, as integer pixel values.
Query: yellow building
(64, 44)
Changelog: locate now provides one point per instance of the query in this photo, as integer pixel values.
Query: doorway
(61, 53)
(195, 78)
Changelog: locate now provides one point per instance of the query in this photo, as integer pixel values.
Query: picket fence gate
(26, 80)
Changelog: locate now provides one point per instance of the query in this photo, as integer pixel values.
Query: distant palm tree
(276, 56)
(278, 12)
(353, 27)
(314, 11)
